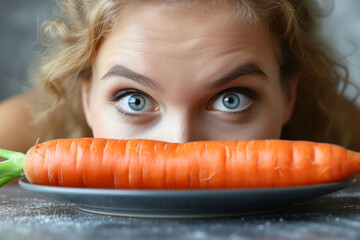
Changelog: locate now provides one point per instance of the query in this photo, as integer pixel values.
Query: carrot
(148, 164)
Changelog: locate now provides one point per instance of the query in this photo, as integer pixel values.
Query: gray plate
(183, 203)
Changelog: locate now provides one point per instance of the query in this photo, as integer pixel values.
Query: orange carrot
(148, 164)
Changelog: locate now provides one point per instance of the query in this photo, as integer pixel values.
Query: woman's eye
(234, 100)
(130, 102)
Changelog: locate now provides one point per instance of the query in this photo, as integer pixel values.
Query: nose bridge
(182, 127)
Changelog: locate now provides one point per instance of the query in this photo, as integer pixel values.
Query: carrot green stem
(12, 168)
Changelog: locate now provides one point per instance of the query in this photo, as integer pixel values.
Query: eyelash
(246, 91)
(125, 114)
(122, 93)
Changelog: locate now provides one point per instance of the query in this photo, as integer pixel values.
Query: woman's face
(189, 75)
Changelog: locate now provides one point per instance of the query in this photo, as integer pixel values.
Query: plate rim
(25, 184)
(152, 209)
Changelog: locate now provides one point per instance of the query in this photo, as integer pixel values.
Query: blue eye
(234, 100)
(133, 102)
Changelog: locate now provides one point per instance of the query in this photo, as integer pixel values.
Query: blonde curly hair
(72, 38)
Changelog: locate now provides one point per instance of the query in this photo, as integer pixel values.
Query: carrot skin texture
(149, 164)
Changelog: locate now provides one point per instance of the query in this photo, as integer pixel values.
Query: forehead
(184, 26)
(226, 11)
(197, 42)
(184, 47)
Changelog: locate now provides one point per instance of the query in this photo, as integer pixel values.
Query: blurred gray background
(20, 21)
(19, 29)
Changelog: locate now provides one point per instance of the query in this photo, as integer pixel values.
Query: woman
(183, 71)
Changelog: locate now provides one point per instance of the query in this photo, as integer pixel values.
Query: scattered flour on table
(34, 218)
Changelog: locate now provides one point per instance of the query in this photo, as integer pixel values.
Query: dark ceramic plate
(184, 203)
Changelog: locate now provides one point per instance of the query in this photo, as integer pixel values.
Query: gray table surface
(24, 215)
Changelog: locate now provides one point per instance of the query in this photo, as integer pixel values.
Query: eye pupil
(137, 102)
(231, 101)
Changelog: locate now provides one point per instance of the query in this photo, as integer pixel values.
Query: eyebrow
(122, 71)
(240, 71)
